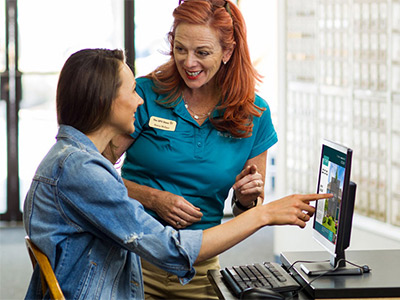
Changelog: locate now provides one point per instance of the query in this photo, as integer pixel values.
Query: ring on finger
(177, 223)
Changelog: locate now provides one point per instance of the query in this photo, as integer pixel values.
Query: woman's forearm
(221, 238)
(117, 147)
(146, 195)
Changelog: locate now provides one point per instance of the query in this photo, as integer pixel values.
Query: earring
(224, 62)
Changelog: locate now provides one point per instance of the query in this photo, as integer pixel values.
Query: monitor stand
(328, 267)
(325, 268)
(336, 266)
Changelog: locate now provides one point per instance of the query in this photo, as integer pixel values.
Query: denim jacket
(77, 211)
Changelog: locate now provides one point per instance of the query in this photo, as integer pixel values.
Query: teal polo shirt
(171, 152)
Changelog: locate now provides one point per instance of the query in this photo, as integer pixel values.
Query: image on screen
(331, 181)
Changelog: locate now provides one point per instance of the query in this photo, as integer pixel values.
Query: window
(151, 43)
(49, 32)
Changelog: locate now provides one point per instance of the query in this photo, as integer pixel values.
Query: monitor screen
(334, 178)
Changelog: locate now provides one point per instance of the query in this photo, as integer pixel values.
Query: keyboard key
(249, 274)
(265, 283)
(281, 278)
(265, 272)
(241, 273)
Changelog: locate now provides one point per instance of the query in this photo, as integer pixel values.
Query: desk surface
(382, 281)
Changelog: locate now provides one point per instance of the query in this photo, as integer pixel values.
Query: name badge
(163, 124)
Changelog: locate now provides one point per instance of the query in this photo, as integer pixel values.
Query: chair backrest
(47, 276)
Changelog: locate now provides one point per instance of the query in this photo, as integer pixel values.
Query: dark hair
(88, 83)
(236, 80)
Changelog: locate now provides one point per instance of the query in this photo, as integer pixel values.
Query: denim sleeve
(94, 199)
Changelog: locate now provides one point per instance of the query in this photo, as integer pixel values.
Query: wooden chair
(47, 276)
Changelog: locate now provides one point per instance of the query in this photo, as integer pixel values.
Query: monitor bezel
(333, 249)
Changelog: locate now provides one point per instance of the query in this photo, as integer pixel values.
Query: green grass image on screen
(329, 223)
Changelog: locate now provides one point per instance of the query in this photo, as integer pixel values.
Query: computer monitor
(333, 216)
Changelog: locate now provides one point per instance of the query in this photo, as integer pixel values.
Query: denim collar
(81, 139)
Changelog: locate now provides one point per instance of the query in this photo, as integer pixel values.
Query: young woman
(78, 212)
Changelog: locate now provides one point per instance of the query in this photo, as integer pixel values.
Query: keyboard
(267, 275)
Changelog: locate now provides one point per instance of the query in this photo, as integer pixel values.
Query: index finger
(313, 197)
(245, 171)
(253, 169)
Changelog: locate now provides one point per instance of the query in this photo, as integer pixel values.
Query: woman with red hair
(201, 131)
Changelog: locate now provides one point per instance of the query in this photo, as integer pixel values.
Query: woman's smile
(193, 75)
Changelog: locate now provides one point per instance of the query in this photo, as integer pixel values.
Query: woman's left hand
(248, 186)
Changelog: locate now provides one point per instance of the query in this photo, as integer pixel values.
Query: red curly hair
(236, 79)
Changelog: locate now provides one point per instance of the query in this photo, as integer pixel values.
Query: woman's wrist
(236, 202)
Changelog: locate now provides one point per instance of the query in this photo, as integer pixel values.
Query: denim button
(135, 283)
